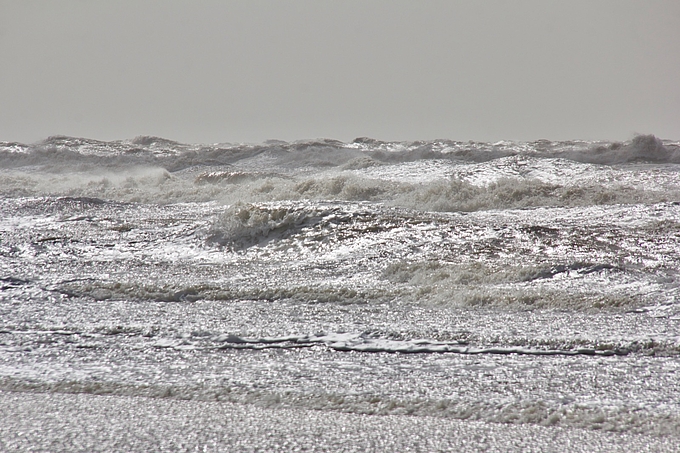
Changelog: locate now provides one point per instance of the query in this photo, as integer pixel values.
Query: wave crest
(333, 153)
(244, 225)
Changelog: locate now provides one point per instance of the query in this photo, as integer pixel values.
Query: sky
(208, 71)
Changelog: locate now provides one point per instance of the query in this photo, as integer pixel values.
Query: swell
(173, 156)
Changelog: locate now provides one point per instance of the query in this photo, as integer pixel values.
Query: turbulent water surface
(526, 283)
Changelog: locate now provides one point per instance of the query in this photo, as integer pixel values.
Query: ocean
(524, 285)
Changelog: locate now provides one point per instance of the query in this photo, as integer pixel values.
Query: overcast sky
(247, 71)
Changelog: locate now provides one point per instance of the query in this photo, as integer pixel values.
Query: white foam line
(358, 343)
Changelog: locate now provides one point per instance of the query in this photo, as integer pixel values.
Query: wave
(476, 176)
(157, 185)
(241, 226)
(429, 176)
(581, 287)
(175, 156)
(442, 275)
(312, 294)
(571, 286)
(440, 292)
(366, 254)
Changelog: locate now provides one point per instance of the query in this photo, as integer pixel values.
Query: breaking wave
(155, 170)
(174, 156)
(157, 185)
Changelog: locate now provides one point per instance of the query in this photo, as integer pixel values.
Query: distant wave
(174, 156)
(433, 175)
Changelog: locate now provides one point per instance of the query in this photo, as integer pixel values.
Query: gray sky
(247, 71)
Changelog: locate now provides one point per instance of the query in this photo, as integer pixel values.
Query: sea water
(531, 283)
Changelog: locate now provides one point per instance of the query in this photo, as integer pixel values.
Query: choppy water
(512, 282)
